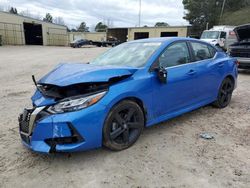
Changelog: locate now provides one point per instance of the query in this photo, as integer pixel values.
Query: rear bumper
(244, 62)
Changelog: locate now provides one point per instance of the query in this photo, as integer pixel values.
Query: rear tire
(123, 125)
(225, 93)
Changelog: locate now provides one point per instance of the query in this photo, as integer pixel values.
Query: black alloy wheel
(225, 93)
(123, 125)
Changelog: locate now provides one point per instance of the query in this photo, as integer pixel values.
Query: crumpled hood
(72, 73)
(242, 32)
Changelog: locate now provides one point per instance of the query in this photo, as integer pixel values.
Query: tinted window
(212, 51)
(176, 54)
(223, 35)
(201, 51)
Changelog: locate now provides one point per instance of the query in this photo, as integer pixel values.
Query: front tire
(123, 125)
(225, 93)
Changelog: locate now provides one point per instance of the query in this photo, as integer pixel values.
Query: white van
(222, 36)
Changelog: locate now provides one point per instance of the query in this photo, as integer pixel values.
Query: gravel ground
(170, 154)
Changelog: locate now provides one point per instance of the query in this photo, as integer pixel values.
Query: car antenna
(34, 80)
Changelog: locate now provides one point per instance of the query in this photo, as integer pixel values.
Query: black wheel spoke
(133, 125)
(130, 114)
(226, 85)
(119, 119)
(229, 88)
(223, 92)
(223, 97)
(126, 136)
(116, 133)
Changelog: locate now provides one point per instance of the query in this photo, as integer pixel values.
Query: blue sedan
(108, 101)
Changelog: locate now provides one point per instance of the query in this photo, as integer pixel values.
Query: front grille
(244, 52)
(25, 138)
(24, 119)
(28, 119)
(240, 54)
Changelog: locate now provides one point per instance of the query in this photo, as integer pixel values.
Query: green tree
(199, 13)
(48, 18)
(100, 27)
(13, 10)
(161, 24)
(83, 27)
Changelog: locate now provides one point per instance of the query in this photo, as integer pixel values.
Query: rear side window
(212, 51)
(176, 54)
(201, 51)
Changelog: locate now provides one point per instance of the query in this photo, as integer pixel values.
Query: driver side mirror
(160, 71)
(161, 74)
(222, 39)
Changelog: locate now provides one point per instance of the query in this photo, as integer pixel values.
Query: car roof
(165, 39)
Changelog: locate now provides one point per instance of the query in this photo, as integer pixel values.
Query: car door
(179, 91)
(222, 39)
(208, 70)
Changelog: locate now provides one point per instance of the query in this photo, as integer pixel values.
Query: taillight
(231, 33)
(237, 62)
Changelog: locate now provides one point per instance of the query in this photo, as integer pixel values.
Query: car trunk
(242, 47)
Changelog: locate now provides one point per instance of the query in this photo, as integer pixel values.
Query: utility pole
(222, 10)
(207, 25)
(139, 13)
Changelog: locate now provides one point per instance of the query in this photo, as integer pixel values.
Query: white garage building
(21, 30)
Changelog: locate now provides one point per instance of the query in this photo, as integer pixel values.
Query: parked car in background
(220, 36)
(111, 41)
(80, 42)
(137, 84)
(241, 49)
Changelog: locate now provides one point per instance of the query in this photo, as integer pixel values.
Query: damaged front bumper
(66, 132)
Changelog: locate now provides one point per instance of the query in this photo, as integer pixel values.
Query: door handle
(191, 72)
(221, 64)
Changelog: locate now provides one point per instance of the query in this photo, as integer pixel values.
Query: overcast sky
(120, 13)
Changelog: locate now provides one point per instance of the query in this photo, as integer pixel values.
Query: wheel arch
(136, 100)
(231, 78)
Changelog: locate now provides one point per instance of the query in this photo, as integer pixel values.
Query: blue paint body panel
(182, 93)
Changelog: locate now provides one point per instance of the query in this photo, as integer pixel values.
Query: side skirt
(177, 113)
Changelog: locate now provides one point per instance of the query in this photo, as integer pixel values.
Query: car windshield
(133, 54)
(77, 40)
(210, 35)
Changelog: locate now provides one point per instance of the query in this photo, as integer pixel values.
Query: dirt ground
(170, 154)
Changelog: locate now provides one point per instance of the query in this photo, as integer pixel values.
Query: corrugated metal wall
(12, 30)
(12, 34)
(57, 37)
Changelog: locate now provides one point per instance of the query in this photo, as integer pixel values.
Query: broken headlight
(76, 103)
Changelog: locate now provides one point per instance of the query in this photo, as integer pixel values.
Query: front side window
(176, 54)
(223, 35)
(201, 51)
